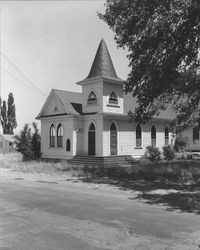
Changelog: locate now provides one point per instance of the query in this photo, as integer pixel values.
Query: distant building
(6, 143)
(96, 122)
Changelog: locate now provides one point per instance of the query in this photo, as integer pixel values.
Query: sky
(53, 44)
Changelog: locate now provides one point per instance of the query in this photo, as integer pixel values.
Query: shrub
(179, 144)
(168, 153)
(152, 153)
(28, 143)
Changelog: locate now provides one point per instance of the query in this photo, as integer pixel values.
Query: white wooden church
(95, 122)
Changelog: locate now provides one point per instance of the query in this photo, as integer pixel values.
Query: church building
(95, 122)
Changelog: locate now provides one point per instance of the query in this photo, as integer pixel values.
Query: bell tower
(102, 89)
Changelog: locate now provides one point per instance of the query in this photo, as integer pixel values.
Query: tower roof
(102, 65)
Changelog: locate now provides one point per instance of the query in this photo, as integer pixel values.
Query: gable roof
(102, 66)
(130, 103)
(71, 102)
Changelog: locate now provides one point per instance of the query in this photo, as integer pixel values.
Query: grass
(175, 184)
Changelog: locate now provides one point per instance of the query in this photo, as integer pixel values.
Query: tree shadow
(182, 195)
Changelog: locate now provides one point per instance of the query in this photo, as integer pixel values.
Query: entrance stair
(114, 160)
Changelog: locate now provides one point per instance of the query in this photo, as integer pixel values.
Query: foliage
(152, 153)
(8, 115)
(163, 40)
(36, 142)
(179, 144)
(168, 153)
(23, 143)
(28, 143)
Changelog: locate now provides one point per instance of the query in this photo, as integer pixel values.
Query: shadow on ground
(182, 195)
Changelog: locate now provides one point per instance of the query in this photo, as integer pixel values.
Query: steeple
(102, 66)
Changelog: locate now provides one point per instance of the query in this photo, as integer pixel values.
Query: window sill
(113, 105)
(139, 147)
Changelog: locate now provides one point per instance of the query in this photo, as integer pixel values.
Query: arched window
(59, 136)
(153, 136)
(91, 139)
(113, 139)
(196, 133)
(68, 145)
(138, 136)
(52, 136)
(166, 136)
(92, 98)
(113, 98)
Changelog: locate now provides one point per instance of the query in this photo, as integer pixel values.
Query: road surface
(58, 214)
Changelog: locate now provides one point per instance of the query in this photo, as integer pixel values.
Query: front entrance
(91, 140)
(113, 139)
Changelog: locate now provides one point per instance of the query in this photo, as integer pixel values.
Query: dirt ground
(42, 207)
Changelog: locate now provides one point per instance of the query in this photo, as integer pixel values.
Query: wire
(18, 79)
(19, 71)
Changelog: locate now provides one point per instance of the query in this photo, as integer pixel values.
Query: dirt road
(54, 212)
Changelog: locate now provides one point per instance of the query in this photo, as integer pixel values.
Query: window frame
(153, 136)
(92, 101)
(138, 136)
(68, 145)
(195, 133)
(59, 136)
(52, 136)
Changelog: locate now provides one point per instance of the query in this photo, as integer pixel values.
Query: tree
(23, 143)
(163, 41)
(8, 116)
(28, 142)
(36, 142)
(4, 120)
(12, 123)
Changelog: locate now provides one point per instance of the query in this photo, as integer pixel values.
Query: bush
(179, 144)
(152, 153)
(168, 153)
(28, 143)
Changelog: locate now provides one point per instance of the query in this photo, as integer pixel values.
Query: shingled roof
(102, 66)
(130, 103)
(72, 101)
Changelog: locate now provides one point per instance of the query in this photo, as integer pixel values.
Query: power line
(25, 77)
(17, 78)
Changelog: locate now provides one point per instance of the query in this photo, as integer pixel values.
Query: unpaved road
(41, 211)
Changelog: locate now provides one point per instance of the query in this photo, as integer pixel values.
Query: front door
(113, 139)
(91, 140)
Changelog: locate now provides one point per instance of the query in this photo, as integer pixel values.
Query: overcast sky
(53, 43)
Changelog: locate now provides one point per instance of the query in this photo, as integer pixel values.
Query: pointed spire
(102, 65)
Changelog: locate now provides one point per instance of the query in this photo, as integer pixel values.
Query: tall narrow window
(68, 145)
(166, 136)
(113, 98)
(153, 136)
(113, 139)
(52, 136)
(91, 139)
(138, 136)
(92, 98)
(195, 133)
(59, 136)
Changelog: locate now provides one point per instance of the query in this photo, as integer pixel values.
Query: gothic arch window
(113, 98)
(153, 136)
(113, 139)
(68, 145)
(138, 136)
(52, 136)
(91, 139)
(60, 136)
(166, 136)
(196, 133)
(92, 98)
